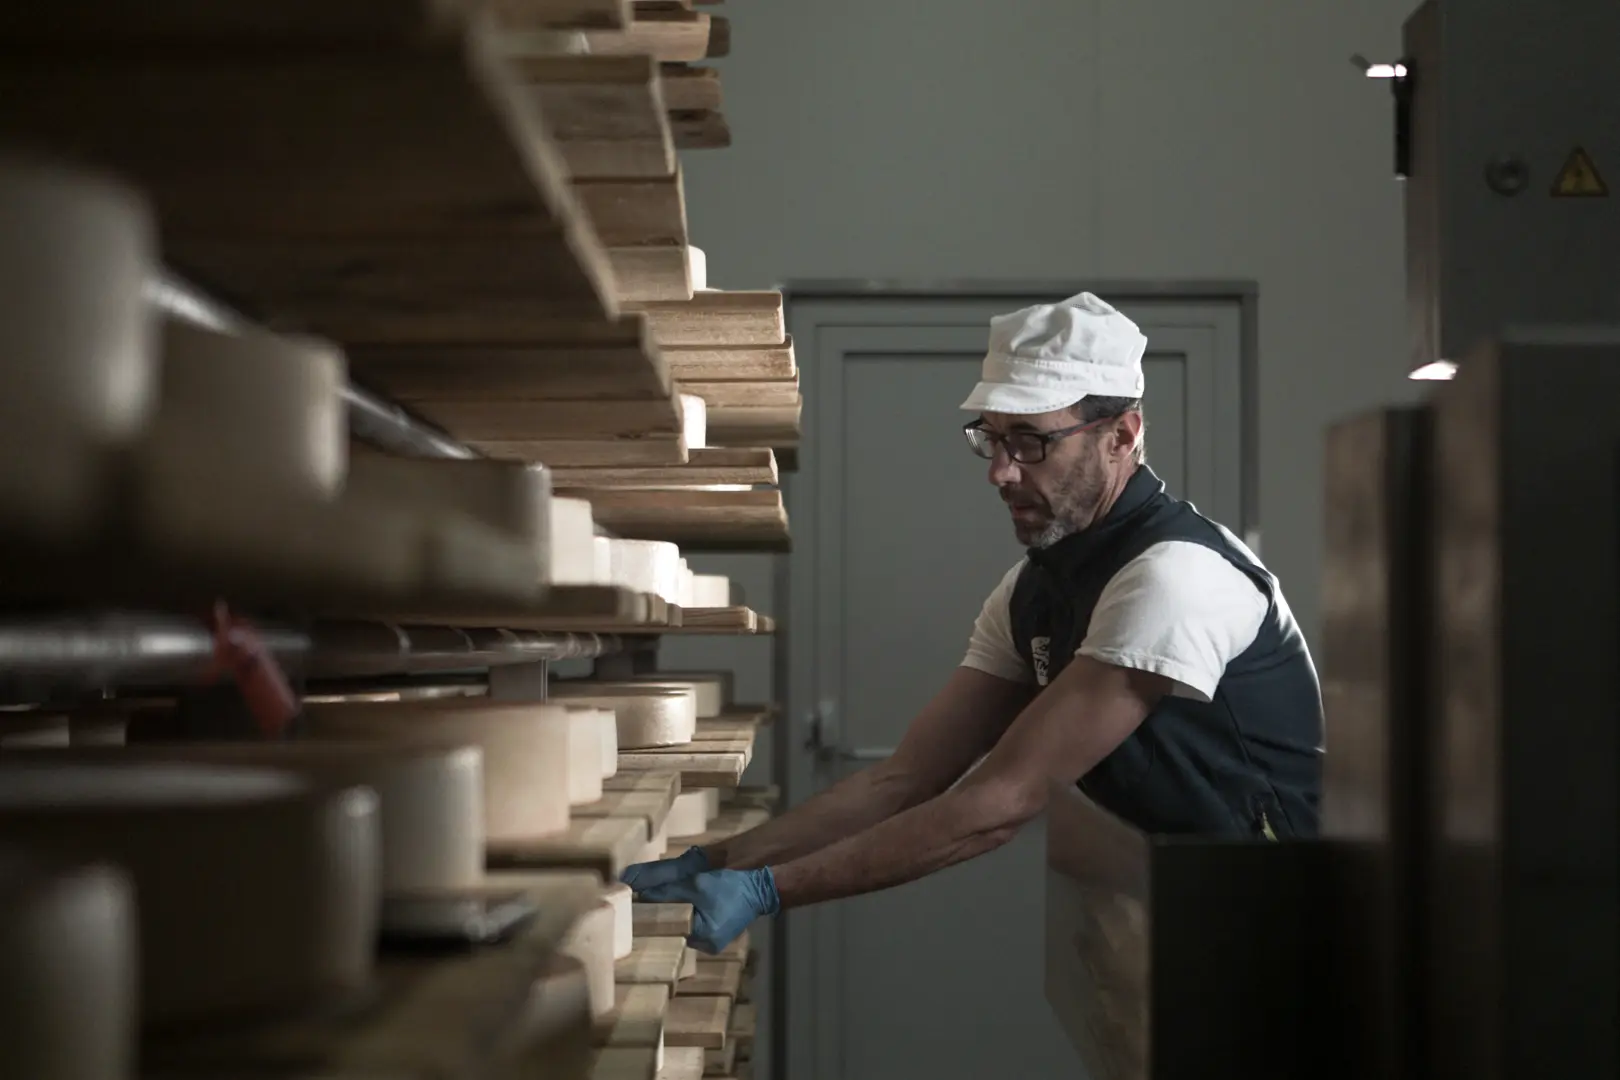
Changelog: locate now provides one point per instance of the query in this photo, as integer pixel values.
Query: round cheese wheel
(688, 815)
(644, 716)
(67, 947)
(619, 895)
(711, 590)
(572, 551)
(507, 496)
(525, 747)
(697, 264)
(694, 421)
(646, 566)
(257, 890)
(584, 756)
(710, 689)
(78, 337)
(591, 943)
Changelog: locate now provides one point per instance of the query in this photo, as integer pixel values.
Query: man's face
(1054, 498)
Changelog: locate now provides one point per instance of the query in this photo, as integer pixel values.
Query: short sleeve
(991, 649)
(1180, 610)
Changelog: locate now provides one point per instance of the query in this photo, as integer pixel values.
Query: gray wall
(1067, 139)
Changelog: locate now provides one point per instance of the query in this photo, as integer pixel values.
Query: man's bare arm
(955, 729)
(1076, 722)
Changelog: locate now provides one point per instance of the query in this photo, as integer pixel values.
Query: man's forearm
(855, 803)
(957, 826)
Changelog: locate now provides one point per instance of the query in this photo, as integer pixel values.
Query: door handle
(818, 723)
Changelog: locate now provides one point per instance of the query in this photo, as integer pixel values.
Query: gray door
(901, 539)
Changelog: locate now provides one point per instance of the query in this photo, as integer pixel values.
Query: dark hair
(1093, 408)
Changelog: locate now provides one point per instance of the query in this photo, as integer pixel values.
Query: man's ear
(1127, 430)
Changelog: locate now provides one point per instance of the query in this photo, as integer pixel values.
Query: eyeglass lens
(1024, 447)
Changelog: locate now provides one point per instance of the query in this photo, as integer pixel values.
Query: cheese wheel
(694, 421)
(710, 689)
(711, 590)
(22, 729)
(607, 734)
(430, 814)
(644, 716)
(584, 755)
(697, 265)
(507, 496)
(646, 566)
(258, 410)
(685, 584)
(525, 749)
(591, 943)
(688, 815)
(78, 337)
(572, 549)
(257, 890)
(619, 895)
(67, 947)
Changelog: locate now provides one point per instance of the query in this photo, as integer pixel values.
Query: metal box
(1525, 917)
(1171, 957)
(1515, 169)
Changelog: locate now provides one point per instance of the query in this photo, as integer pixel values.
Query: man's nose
(1003, 469)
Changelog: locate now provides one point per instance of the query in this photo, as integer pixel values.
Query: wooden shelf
(701, 765)
(691, 89)
(715, 976)
(661, 920)
(726, 620)
(716, 319)
(704, 465)
(636, 211)
(625, 1063)
(701, 130)
(637, 1019)
(645, 795)
(654, 960)
(410, 192)
(695, 519)
(562, 14)
(605, 845)
(682, 1063)
(720, 729)
(697, 1021)
(586, 609)
(716, 362)
(607, 114)
(669, 35)
(745, 393)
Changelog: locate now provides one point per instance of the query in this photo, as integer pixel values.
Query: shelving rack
(482, 205)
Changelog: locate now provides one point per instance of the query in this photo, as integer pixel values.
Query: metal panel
(1377, 625)
(1523, 919)
(1502, 99)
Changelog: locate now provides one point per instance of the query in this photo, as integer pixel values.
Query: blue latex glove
(650, 875)
(723, 903)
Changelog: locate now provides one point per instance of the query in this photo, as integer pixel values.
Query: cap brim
(1018, 400)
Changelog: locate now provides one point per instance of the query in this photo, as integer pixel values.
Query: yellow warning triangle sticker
(1579, 178)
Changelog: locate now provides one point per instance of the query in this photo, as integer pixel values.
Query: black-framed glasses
(1024, 447)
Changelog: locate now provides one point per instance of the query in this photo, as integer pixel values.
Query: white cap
(1050, 356)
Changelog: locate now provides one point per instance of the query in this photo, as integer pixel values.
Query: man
(1139, 649)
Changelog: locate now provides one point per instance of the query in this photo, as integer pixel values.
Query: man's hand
(723, 903)
(652, 875)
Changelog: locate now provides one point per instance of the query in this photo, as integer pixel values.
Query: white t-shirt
(1178, 609)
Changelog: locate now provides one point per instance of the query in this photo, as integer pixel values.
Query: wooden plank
(715, 976)
(607, 114)
(562, 14)
(702, 129)
(682, 1063)
(670, 35)
(704, 465)
(738, 950)
(716, 362)
(721, 1062)
(726, 620)
(588, 453)
(561, 607)
(636, 211)
(625, 1063)
(774, 426)
(743, 1023)
(661, 920)
(691, 89)
(719, 36)
(652, 272)
(716, 318)
(697, 1021)
(409, 194)
(699, 519)
(638, 1017)
(605, 845)
(647, 795)
(734, 393)
(592, 365)
(698, 770)
(499, 420)
(722, 730)
(652, 960)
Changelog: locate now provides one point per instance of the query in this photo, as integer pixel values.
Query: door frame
(794, 979)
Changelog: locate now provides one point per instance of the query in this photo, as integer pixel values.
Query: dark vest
(1247, 763)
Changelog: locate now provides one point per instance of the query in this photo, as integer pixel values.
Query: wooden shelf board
(745, 393)
(691, 89)
(655, 960)
(638, 1018)
(605, 845)
(721, 768)
(715, 977)
(408, 194)
(696, 519)
(661, 272)
(562, 14)
(636, 211)
(667, 35)
(716, 318)
(702, 129)
(721, 1062)
(682, 1063)
(720, 729)
(661, 920)
(606, 113)
(697, 1021)
(699, 363)
(719, 36)
(775, 427)
(739, 949)
(588, 453)
(625, 1063)
(577, 608)
(726, 620)
(588, 367)
(743, 1022)
(506, 420)
(430, 1015)
(704, 465)
(647, 795)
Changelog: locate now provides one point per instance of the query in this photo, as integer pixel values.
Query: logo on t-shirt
(1039, 651)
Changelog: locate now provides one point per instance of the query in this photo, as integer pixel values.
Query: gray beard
(1075, 501)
